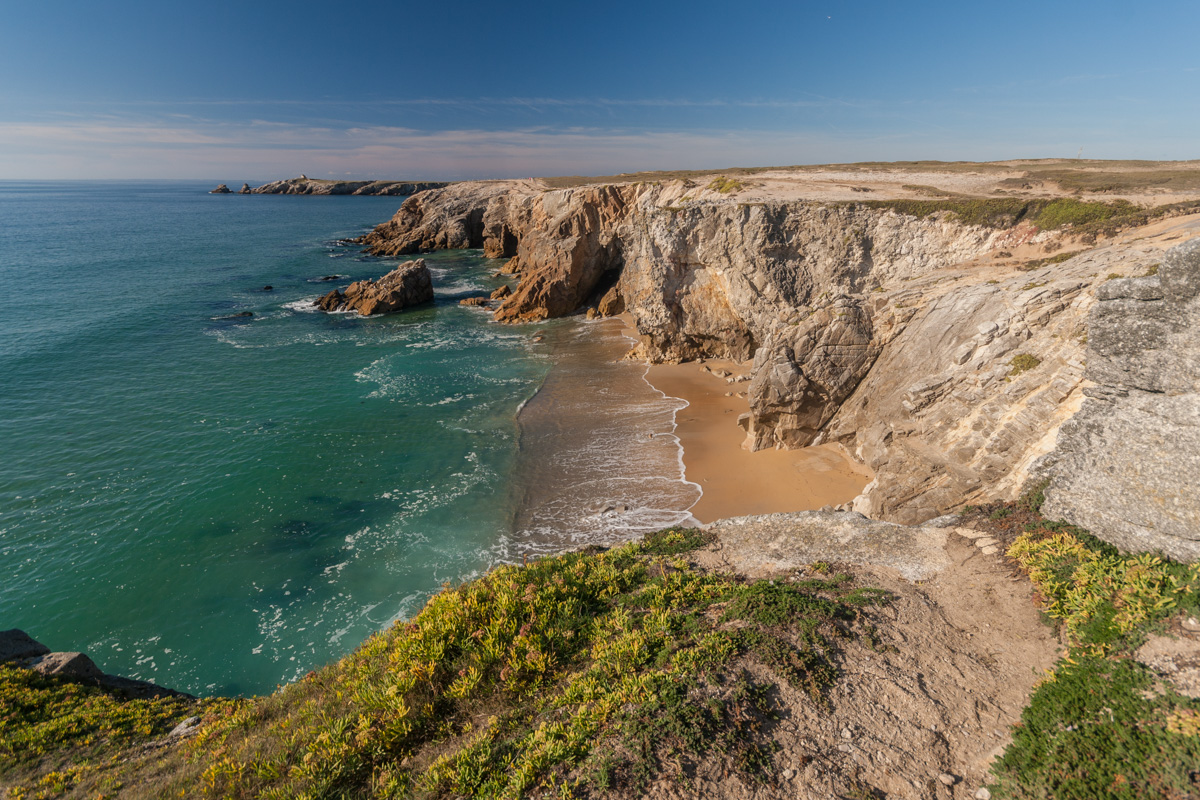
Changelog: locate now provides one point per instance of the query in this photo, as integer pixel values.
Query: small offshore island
(987, 374)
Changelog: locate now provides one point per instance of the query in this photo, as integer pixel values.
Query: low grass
(1022, 363)
(585, 673)
(1101, 725)
(726, 185)
(64, 733)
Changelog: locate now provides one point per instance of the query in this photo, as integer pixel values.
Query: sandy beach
(735, 481)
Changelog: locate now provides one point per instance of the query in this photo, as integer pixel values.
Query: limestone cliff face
(1125, 466)
(890, 334)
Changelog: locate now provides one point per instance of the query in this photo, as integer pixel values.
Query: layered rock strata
(891, 334)
(1126, 464)
(409, 284)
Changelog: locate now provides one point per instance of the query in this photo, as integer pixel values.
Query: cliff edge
(933, 322)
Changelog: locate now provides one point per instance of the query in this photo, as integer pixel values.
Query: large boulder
(68, 665)
(409, 284)
(1125, 466)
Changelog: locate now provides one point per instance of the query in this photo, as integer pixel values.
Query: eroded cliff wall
(892, 334)
(1126, 464)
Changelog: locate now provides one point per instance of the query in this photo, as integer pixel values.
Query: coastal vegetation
(1087, 218)
(599, 672)
(1102, 724)
(573, 674)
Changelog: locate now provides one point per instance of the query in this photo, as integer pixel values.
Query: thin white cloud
(179, 147)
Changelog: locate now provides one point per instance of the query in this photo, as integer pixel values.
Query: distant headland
(307, 185)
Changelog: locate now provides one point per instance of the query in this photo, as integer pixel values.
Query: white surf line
(674, 427)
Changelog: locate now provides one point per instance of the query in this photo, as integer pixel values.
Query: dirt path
(920, 711)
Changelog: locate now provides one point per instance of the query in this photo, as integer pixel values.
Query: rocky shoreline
(316, 186)
(943, 343)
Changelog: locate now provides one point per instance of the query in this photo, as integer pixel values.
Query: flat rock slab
(777, 542)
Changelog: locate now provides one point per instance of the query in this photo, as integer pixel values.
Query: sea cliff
(942, 341)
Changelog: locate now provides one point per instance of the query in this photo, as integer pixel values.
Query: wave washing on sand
(599, 461)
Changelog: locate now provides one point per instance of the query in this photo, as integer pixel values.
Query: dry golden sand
(736, 481)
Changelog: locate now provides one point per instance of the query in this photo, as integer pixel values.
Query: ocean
(221, 503)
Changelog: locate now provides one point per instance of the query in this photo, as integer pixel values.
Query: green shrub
(1023, 363)
(1099, 729)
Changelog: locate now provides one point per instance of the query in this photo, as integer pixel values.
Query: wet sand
(735, 481)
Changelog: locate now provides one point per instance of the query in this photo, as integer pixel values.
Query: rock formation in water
(221, 189)
(306, 185)
(409, 284)
(916, 341)
(245, 189)
(1126, 464)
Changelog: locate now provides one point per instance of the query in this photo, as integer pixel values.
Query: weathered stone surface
(473, 301)
(67, 665)
(776, 542)
(611, 304)
(502, 292)
(1125, 466)
(221, 189)
(803, 373)
(887, 333)
(245, 189)
(16, 644)
(407, 285)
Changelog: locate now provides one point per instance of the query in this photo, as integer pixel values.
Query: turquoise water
(220, 504)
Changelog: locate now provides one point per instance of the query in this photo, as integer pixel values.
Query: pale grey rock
(1125, 466)
(776, 542)
(803, 373)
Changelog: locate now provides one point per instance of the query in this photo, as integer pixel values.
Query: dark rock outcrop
(1125, 466)
(245, 189)
(19, 648)
(17, 644)
(409, 284)
(306, 185)
(221, 189)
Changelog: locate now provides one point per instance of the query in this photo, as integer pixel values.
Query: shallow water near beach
(221, 503)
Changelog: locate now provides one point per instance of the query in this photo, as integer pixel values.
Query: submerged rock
(409, 284)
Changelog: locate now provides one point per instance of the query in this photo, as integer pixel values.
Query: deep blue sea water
(223, 503)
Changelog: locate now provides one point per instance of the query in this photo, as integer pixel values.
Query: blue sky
(252, 91)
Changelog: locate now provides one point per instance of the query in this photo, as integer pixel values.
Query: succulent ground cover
(1102, 724)
(574, 675)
